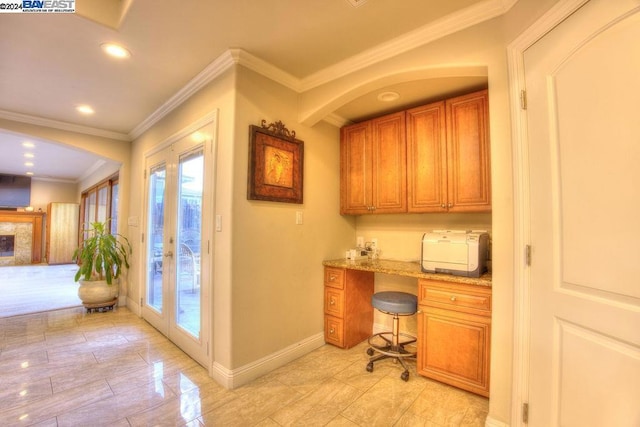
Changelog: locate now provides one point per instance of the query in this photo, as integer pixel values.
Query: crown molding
(210, 73)
(40, 121)
(268, 70)
(440, 28)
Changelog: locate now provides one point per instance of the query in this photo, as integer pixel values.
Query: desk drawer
(333, 331)
(334, 302)
(458, 297)
(334, 277)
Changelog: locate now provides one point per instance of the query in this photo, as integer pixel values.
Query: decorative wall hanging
(276, 160)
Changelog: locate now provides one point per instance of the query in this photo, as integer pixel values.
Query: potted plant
(102, 257)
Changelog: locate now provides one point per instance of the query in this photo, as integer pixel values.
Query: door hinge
(525, 412)
(207, 348)
(141, 237)
(527, 255)
(141, 302)
(523, 99)
(145, 174)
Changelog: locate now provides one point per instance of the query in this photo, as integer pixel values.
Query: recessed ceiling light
(29, 173)
(29, 155)
(388, 96)
(28, 164)
(115, 50)
(28, 144)
(85, 109)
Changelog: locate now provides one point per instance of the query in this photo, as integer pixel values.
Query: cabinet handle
(332, 331)
(332, 302)
(450, 205)
(453, 298)
(332, 278)
(443, 206)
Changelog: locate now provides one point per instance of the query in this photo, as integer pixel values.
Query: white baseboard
(133, 306)
(234, 378)
(492, 422)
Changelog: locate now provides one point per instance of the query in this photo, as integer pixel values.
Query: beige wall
(277, 265)
(44, 192)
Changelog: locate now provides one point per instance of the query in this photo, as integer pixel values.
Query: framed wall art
(276, 160)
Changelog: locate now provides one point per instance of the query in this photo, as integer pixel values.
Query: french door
(178, 196)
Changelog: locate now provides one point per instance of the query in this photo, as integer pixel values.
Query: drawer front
(465, 298)
(334, 302)
(334, 277)
(333, 331)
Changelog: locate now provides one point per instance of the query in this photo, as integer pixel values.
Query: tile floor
(68, 368)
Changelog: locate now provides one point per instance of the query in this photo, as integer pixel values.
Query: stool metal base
(391, 350)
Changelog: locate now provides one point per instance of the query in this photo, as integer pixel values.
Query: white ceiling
(53, 62)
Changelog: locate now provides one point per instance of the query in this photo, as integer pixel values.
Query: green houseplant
(102, 257)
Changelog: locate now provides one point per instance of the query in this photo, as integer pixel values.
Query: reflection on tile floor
(67, 368)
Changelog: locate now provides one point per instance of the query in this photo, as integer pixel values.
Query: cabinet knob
(332, 302)
(332, 331)
(453, 298)
(332, 278)
(450, 205)
(443, 206)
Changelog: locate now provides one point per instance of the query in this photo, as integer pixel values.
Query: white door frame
(211, 119)
(521, 196)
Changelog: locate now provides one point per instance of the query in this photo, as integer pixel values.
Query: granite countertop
(405, 268)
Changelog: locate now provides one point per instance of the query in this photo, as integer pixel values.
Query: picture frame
(276, 163)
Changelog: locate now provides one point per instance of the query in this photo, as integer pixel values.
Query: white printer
(457, 252)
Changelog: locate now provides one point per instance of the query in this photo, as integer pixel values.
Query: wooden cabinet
(454, 334)
(433, 158)
(448, 157)
(373, 166)
(348, 314)
(62, 232)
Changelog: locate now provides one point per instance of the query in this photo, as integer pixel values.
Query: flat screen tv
(15, 191)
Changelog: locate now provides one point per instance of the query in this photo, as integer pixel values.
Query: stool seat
(401, 303)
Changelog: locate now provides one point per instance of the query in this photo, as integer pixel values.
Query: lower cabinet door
(454, 348)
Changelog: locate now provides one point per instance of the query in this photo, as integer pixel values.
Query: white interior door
(583, 91)
(177, 285)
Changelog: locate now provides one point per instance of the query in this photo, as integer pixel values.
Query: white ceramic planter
(97, 291)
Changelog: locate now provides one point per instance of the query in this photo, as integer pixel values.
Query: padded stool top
(395, 302)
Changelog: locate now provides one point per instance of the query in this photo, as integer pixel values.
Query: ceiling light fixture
(115, 50)
(85, 109)
(29, 155)
(30, 173)
(28, 144)
(28, 164)
(388, 96)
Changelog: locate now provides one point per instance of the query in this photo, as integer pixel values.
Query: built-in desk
(454, 317)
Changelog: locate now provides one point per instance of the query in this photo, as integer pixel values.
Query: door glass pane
(102, 204)
(190, 186)
(157, 180)
(114, 208)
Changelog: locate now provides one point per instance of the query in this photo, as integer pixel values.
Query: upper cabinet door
(468, 153)
(355, 169)
(389, 178)
(426, 159)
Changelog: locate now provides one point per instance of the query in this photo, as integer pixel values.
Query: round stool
(397, 304)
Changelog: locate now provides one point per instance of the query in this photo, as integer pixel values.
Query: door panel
(584, 151)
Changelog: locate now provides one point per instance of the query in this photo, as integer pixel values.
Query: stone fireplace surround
(27, 229)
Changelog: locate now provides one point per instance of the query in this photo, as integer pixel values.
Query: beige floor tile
(73, 368)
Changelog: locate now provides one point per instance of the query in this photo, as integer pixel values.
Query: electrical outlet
(299, 218)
